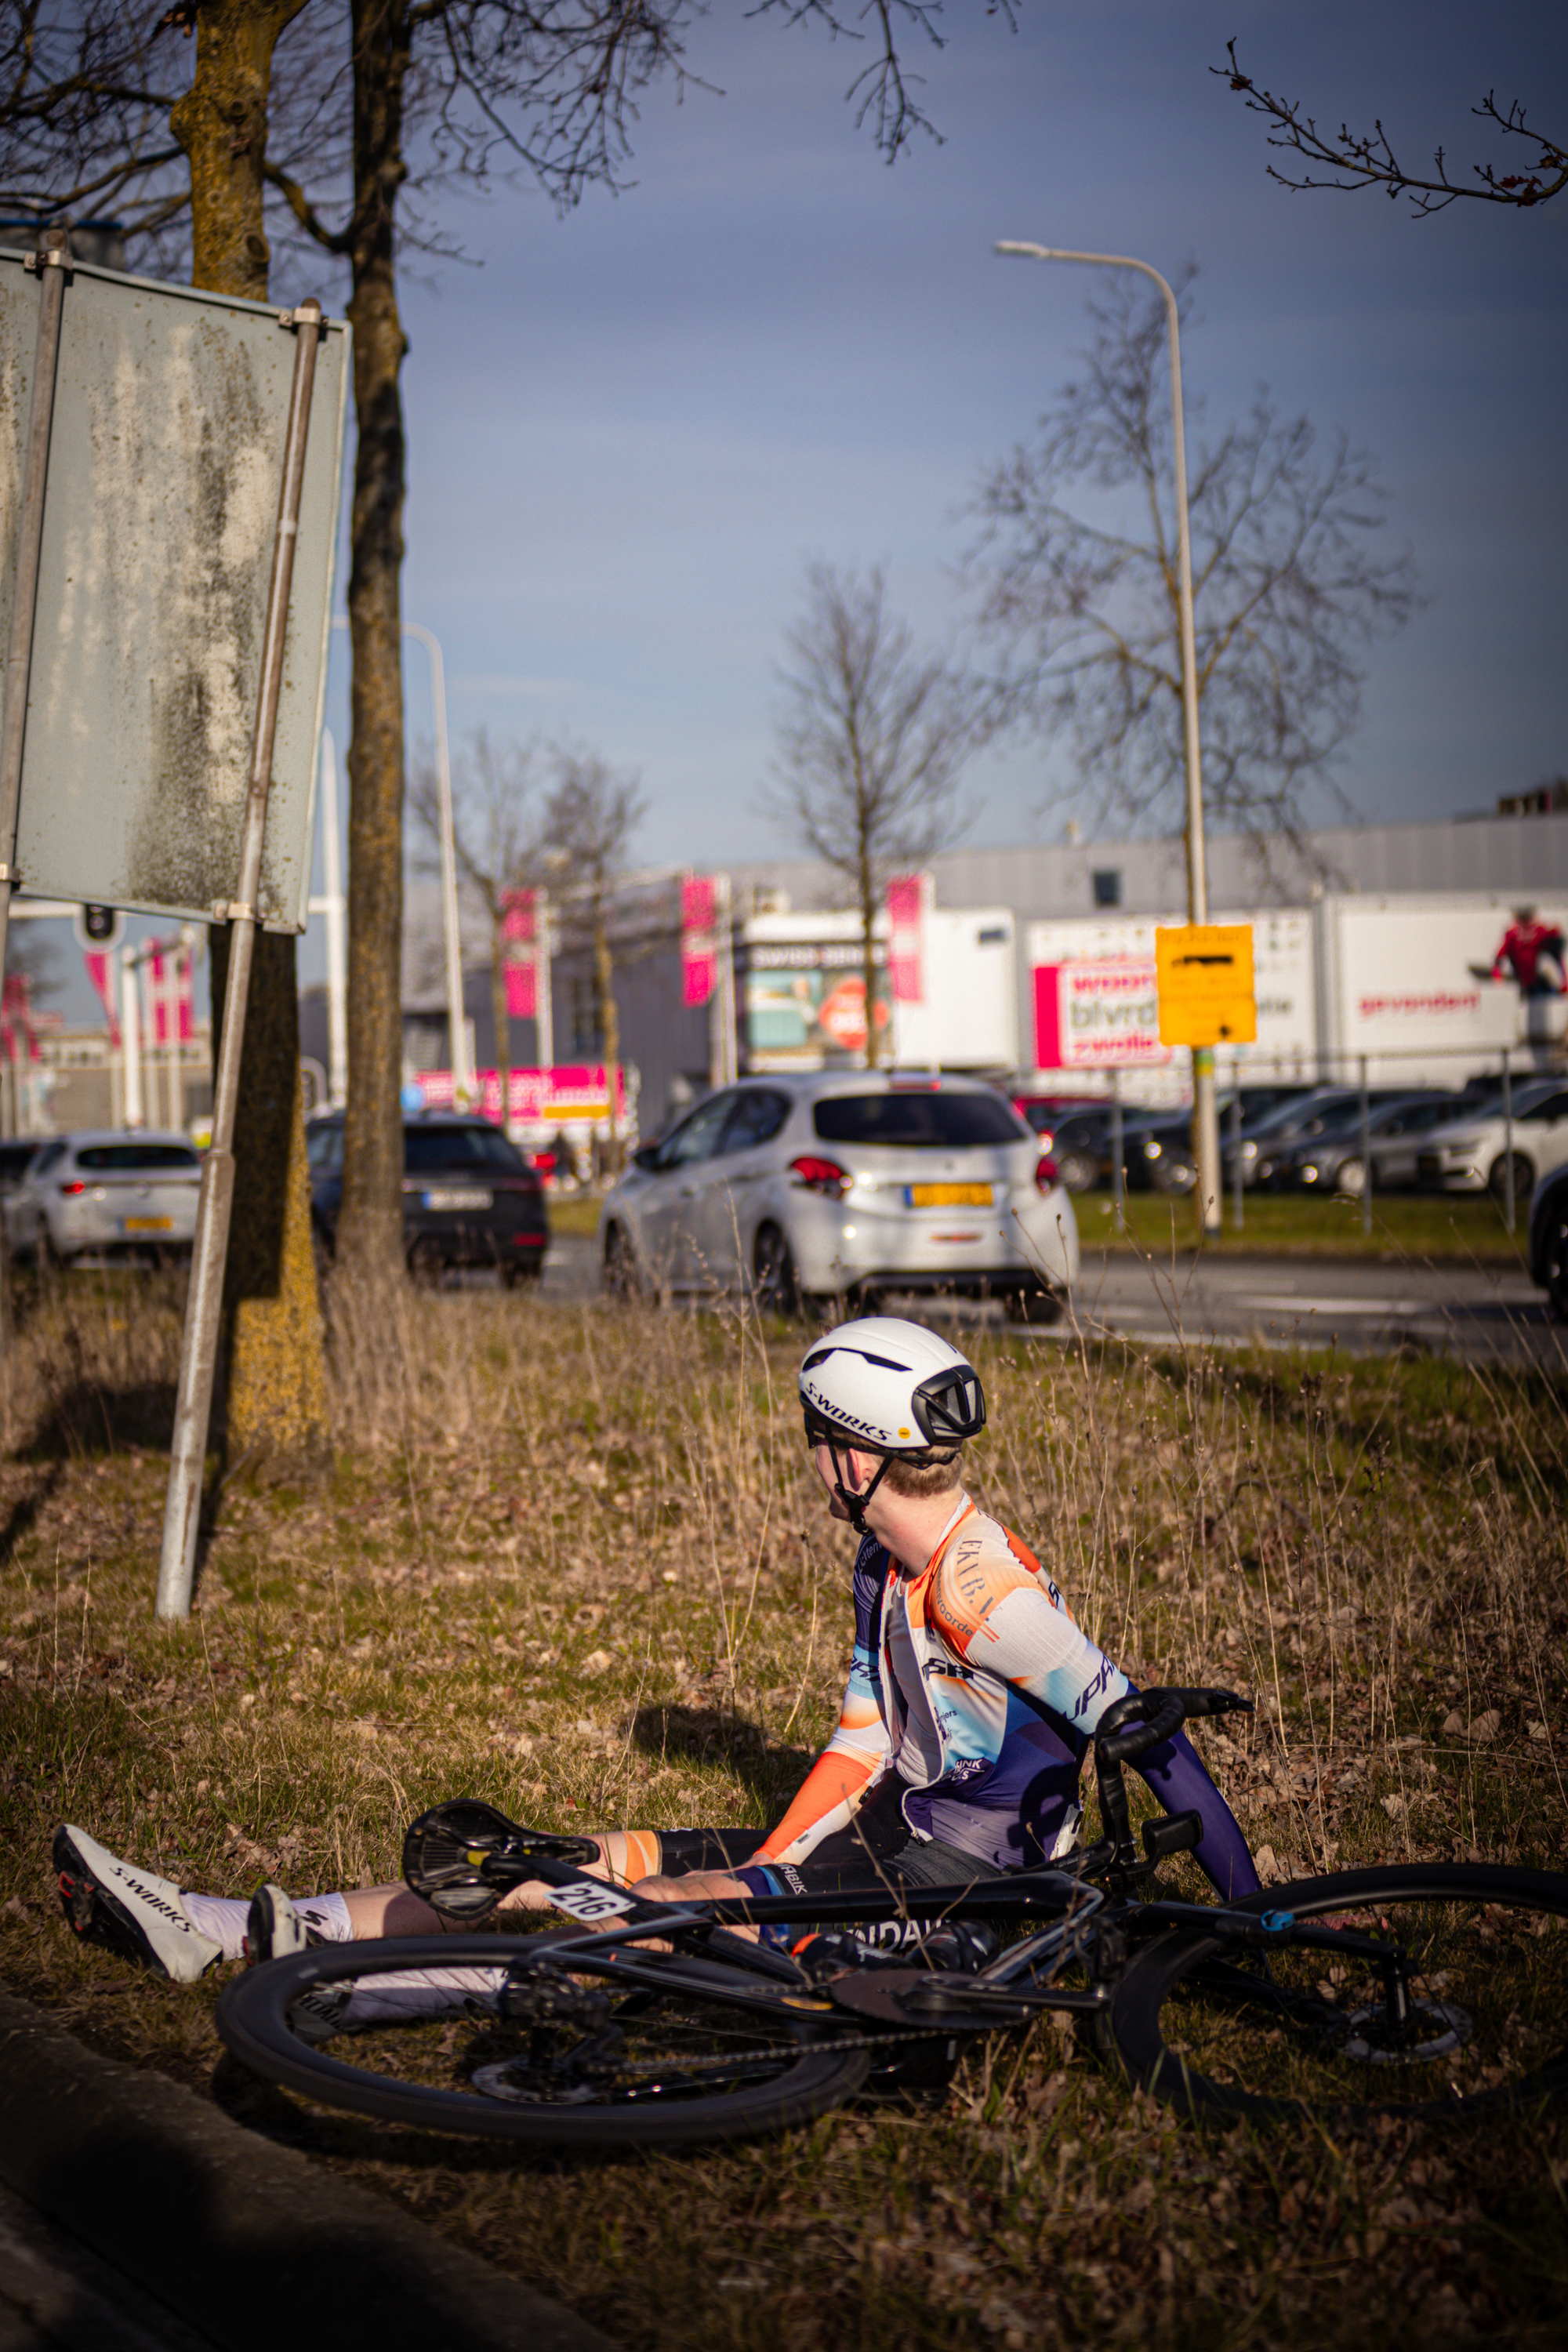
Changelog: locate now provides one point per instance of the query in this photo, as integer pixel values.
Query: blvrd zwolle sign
(171, 464)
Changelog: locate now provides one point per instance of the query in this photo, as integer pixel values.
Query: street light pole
(1206, 1119)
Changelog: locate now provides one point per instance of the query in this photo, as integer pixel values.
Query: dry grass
(571, 1562)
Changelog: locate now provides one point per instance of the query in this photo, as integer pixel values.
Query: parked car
(1548, 1248)
(1081, 1146)
(17, 1156)
(469, 1197)
(104, 1190)
(1471, 1153)
(1334, 1161)
(1157, 1146)
(1290, 1123)
(1044, 1113)
(846, 1183)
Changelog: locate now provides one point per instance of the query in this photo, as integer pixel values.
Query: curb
(246, 2240)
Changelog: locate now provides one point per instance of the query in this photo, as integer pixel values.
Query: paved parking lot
(1483, 1314)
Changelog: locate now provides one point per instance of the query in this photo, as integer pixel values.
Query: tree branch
(1362, 159)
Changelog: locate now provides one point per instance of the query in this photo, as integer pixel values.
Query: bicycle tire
(797, 2082)
(1287, 2040)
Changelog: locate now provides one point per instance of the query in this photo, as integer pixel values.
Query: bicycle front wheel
(571, 2066)
(1480, 2026)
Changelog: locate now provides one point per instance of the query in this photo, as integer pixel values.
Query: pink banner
(906, 938)
(698, 938)
(100, 971)
(518, 930)
(169, 989)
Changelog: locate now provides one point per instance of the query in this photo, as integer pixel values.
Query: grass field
(572, 1562)
(1406, 1226)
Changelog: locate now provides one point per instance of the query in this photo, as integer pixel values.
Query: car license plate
(458, 1197)
(947, 1196)
(149, 1225)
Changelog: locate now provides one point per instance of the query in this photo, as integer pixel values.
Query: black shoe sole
(94, 1917)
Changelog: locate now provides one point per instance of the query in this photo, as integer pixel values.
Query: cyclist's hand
(697, 1886)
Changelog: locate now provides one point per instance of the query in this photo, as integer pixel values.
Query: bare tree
(1287, 588)
(873, 737)
(370, 111)
(1357, 159)
(495, 841)
(589, 819)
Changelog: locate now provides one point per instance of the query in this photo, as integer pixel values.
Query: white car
(846, 1184)
(107, 1190)
(1469, 1155)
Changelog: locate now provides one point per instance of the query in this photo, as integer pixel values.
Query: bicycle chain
(901, 2035)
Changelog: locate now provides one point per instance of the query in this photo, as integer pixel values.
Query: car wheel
(1352, 1178)
(1078, 1171)
(1037, 1308)
(621, 1279)
(1523, 1179)
(772, 1272)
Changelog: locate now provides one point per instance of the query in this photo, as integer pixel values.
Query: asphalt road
(1482, 1314)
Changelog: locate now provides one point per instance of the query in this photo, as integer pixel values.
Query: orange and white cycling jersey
(973, 1682)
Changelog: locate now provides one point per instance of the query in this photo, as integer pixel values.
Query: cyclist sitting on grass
(971, 1699)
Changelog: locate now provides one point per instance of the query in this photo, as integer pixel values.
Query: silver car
(1470, 1154)
(107, 1191)
(848, 1184)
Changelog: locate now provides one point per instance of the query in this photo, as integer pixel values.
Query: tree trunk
(369, 1228)
(866, 885)
(272, 1373)
(500, 1018)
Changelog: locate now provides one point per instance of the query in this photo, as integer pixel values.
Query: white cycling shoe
(274, 1928)
(133, 1912)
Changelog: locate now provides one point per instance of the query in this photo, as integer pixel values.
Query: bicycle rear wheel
(1289, 2031)
(610, 2070)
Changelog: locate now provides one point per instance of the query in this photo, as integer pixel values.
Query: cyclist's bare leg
(395, 1911)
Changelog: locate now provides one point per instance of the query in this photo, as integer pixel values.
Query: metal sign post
(198, 1360)
(53, 264)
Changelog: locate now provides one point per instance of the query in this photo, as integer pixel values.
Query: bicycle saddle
(464, 1855)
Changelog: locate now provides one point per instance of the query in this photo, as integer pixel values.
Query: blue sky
(629, 429)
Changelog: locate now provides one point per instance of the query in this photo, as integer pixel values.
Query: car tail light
(824, 1176)
(78, 1187)
(1046, 1173)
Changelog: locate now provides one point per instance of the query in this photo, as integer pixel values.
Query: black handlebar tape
(1153, 1731)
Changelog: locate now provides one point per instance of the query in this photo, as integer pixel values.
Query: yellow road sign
(1204, 973)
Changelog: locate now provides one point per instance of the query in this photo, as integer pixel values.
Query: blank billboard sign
(160, 507)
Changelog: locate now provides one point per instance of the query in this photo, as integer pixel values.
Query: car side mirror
(645, 1157)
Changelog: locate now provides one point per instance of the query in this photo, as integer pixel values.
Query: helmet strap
(855, 1504)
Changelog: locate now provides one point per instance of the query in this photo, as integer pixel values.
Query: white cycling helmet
(889, 1387)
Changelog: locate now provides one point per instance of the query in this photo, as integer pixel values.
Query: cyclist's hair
(918, 1476)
